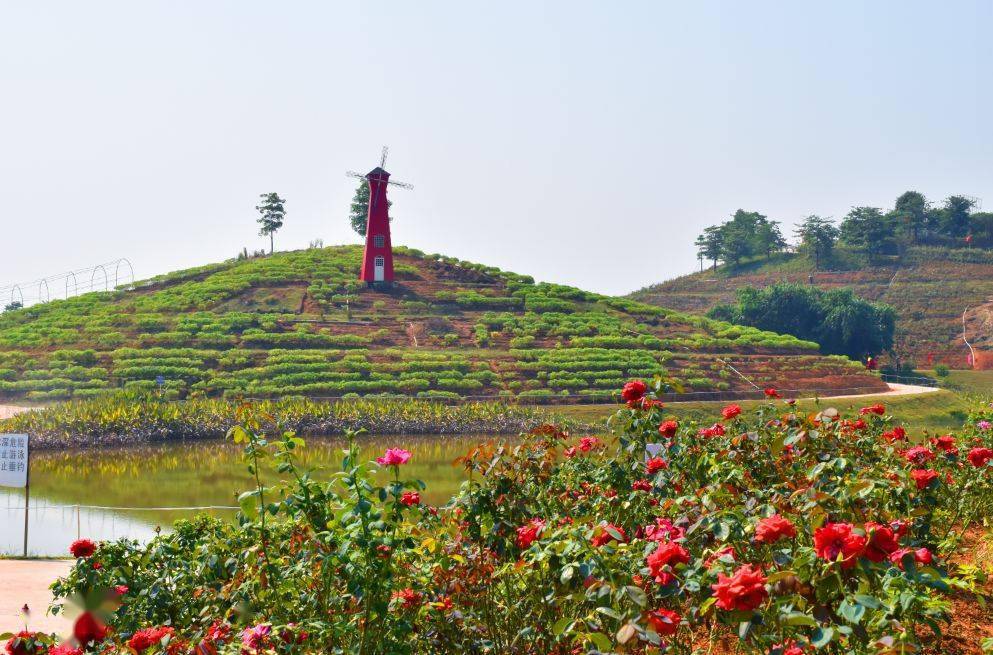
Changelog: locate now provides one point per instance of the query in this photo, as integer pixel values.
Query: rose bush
(773, 531)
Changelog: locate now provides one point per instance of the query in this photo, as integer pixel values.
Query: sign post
(15, 461)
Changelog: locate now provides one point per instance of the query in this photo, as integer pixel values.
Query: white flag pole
(27, 495)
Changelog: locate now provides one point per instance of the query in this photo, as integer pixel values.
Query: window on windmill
(379, 241)
(380, 261)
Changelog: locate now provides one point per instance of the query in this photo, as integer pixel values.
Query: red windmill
(377, 261)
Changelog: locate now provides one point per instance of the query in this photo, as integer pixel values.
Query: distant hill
(299, 323)
(930, 288)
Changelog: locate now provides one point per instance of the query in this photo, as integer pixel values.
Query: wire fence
(909, 379)
(53, 526)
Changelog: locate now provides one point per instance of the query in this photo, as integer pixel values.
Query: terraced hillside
(298, 323)
(930, 288)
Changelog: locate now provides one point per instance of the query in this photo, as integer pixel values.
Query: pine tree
(271, 215)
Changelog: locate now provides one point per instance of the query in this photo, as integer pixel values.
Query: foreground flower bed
(129, 419)
(771, 533)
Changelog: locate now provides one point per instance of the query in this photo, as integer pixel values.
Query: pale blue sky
(583, 143)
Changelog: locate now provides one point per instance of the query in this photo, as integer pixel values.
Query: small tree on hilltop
(709, 244)
(768, 237)
(910, 212)
(866, 228)
(271, 215)
(358, 214)
(817, 238)
(955, 216)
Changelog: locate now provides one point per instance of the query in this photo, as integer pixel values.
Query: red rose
(921, 556)
(664, 622)
(603, 534)
(586, 444)
(924, 477)
(88, 629)
(145, 639)
(879, 409)
(772, 529)
(980, 456)
(409, 498)
(527, 533)
(668, 429)
(945, 443)
(633, 391)
(730, 412)
(787, 648)
(896, 434)
(641, 485)
(409, 599)
(715, 430)
(666, 555)
(23, 643)
(82, 548)
(744, 590)
(65, 649)
(918, 455)
(881, 542)
(771, 392)
(663, 530)
(656, 464)
(835, 540)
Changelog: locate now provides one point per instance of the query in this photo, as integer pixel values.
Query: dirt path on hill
(26, 582)
(6, 411)
(895, 390)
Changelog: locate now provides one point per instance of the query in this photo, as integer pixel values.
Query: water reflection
(179, 475)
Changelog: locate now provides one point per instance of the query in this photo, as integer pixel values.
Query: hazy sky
(582, 143)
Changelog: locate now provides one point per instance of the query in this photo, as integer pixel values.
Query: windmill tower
(377, 260)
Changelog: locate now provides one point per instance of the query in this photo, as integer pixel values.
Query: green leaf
(852, 612)
(601, 641)
(821, 637)
(248, 504)
(611, 612)
(637, 594)
(560, 626)
(799, 618)
(868, 601)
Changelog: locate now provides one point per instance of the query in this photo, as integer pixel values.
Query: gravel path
(27, 582)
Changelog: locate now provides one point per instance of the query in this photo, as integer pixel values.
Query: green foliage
(839, 321)
(358, 211)
(271, 215)
(817, 238)
(747, 234)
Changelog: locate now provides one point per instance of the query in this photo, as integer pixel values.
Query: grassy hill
(929, 287)
(299, 323)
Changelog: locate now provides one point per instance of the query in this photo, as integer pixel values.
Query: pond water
(192, 474)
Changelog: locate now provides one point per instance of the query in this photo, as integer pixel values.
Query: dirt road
(26, 582)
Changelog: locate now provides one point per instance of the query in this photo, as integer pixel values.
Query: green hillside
(299, 323)
(930, 287)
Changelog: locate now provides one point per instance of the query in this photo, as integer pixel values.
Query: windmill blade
(382, 161)
(402, 185)
(354, 174)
